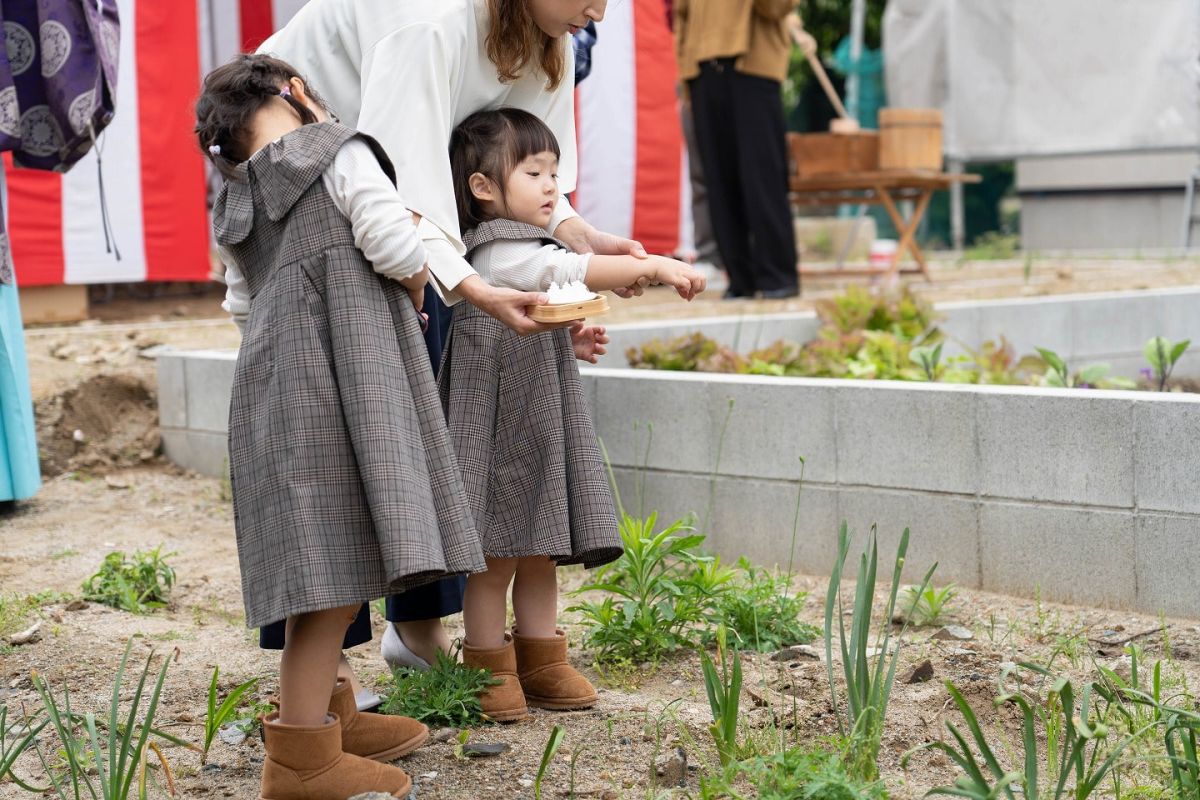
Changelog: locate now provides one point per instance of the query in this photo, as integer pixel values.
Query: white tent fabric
(1048, 77)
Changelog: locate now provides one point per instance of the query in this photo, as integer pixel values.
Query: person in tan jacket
(733, 57)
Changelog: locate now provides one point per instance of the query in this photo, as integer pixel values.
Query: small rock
(78, 436)
(525, 783)
(27, 636)
(231, 734)
(76, 605)
(428, 776)
(921, 673)
(113, 482)
(625, 740)
(442, 735)
(211, 767)
(800, 652)
(185, 717)
(952, 633)
(677, 682)
(671, 768)
(472, 750)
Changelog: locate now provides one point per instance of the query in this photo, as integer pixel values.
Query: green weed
(552, 744)
(1162, 356)
(218, 715)
(139, 583)
(930, 606)
(760, 612)
(446, 694)
(724, 697)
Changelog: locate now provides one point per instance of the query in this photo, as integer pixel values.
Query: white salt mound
(572, 292)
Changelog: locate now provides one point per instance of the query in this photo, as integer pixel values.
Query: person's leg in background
(762, 168)
(716, 140)
(705, 240)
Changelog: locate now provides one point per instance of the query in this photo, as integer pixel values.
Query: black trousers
(740, 134)
(439, 599)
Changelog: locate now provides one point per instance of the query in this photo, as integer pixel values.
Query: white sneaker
(396, 653)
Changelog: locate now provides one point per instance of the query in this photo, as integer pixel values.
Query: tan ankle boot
(506, 702)
(307, 763)
(548, 680)
(378, 737)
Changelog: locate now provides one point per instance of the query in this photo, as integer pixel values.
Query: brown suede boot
(506, 702)
(548, 680)
(378, 737)
(307, 763)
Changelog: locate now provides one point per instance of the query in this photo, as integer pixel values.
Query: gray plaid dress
(524, 436)
(345, 486)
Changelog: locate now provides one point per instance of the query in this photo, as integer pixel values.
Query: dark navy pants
(440, 599)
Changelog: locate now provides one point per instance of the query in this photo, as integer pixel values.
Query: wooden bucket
(826, 153)
(910, 138)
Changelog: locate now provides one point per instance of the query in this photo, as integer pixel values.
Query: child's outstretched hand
(687, 281)
(588, 341)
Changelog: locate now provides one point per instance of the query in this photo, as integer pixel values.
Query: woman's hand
(581, 237)
(508, 306)
(588, 341)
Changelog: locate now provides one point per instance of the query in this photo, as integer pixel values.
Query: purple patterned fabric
(58, 83)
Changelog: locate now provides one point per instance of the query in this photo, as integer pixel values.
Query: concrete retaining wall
(1109, 327)
(1086, 496)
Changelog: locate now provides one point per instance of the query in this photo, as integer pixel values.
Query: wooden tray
(565, 312)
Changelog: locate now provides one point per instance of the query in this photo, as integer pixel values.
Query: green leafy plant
(552, 744)
(928, 359)
(15, 742)
(1162, 356)
(116, 750)
(928, 606)
(219, 715)
(1092, 376)
(760, 610)
(446, 694)
(690, 353)
(724, 691)
(139, 583)
(1077, 758)
(658, 592)
(868, 688)
(809, 773)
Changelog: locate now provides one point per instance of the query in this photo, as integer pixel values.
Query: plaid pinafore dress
(523, 434)
(345, 486)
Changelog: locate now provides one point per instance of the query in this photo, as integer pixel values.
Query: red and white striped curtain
(632, 180)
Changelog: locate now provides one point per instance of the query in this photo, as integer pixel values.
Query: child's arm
(237, 293)
(616, 272)
(383, 226)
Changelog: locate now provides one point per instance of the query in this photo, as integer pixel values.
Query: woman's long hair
(515, 41)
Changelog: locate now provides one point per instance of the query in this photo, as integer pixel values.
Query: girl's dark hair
(515, 42)
(232, 95)
(493, 143)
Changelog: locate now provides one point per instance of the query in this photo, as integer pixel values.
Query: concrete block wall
(1109, 327)
(1083, 496)
(194, 388)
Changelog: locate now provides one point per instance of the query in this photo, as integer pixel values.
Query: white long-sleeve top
(382, 224)
(528, 265)
(407, 72)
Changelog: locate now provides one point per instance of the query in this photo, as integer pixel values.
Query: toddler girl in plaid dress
(345, 486)
(518, 416)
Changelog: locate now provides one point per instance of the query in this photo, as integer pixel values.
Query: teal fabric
(20, 476)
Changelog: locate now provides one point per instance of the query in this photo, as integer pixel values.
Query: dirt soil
(107, 488)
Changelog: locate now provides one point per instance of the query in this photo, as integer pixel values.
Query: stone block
(209, 377)
(942, 529)
(1168, 561)
(203, 452)
(1028, 324)
(1167, 447)
(755, 519)
(172, 392)
(1070, 555)
(655, 419)
(774, 422)
(1102, 327)
(1064, 446)
(907, 436)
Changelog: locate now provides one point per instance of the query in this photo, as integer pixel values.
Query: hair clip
(285, 91)
(214, 150)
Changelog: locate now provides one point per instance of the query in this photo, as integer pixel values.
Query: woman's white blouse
(407, 72)
(382, 224)
(528, 265)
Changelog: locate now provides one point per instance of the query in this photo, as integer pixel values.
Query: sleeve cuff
(446, 265)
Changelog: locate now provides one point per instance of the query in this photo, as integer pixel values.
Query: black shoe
(734, 294)
(780, 294)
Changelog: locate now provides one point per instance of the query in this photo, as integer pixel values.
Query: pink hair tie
(285, 91)
(214, 150)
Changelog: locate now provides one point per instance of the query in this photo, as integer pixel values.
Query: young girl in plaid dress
(518, 416)
(345, 486)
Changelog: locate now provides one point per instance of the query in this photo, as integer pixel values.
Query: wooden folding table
(883, 187)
